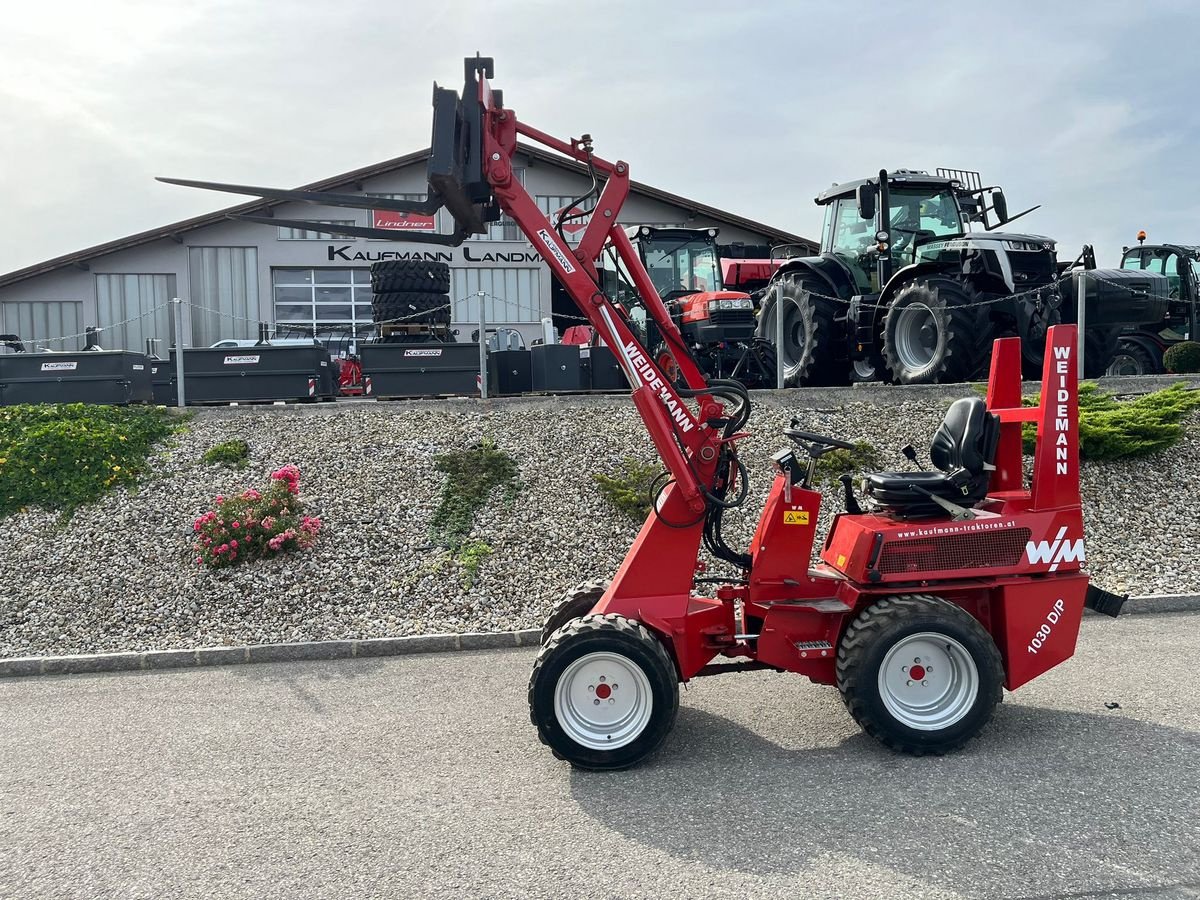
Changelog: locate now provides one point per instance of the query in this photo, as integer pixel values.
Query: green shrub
(227, 453)
(471, 477)
(1111, 429)
(59, 456)
(629, 490)
(1182, 358)
(863, 458)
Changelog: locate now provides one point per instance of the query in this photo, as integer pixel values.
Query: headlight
(1025, 246)
(727, 304)
(746, 303)
(714, 305)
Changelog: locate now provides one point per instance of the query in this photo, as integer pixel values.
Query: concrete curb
(260, 653)
(84, 663)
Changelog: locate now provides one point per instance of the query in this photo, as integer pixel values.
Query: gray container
(246, 375)
(111, 377)
(420, 370)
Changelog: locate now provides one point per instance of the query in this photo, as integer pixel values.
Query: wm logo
(1056, 551)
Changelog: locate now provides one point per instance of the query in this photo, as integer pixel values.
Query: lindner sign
(400, 221)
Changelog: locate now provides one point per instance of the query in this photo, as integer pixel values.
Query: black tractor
(1140, 350)
(913, 284)
(717, 325)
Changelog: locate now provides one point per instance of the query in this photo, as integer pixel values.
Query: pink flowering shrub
(255, 524)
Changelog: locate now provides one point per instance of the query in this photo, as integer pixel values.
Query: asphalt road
(421, 776)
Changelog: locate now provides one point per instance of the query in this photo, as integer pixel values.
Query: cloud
(754, 108)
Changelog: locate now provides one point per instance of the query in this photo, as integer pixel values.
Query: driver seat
(963, 449)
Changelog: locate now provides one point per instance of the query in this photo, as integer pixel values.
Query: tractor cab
(685, 268)
(1181, 265)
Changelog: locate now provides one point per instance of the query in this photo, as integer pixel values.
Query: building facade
(235, 274)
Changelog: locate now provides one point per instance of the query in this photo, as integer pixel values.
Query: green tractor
(913, 284)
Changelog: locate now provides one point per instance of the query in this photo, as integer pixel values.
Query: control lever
(852, 506)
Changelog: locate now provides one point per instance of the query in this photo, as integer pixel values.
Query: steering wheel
(816, 444)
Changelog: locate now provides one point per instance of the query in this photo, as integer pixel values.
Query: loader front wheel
(604, 693)
(919, 674)
(575, 603)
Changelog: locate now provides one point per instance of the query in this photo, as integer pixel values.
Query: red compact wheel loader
(952, 585)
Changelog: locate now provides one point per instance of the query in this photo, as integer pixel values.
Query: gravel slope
(121, 575)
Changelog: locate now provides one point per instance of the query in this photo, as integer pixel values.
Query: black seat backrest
(966, 439)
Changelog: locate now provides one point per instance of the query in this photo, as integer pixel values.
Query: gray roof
(175, 229)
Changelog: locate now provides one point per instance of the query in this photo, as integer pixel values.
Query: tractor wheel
(575, 603)
(919, 674)
(665, 360)
(603, 693)
(1033, 346)
(810, 333)
(1125, 358)
(936, 330)
(410, 306)
(410, 276)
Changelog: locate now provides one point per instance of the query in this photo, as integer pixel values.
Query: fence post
(181, 401)
(1081, 316)
(779, 335)
(483, 368)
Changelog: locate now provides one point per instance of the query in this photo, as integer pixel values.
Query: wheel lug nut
(904, 668)
(615, 685)
(909, 683)
(611, 700)
(591, 687)
(596, 701)
(917, 660)
(923, 683)
(601, 677)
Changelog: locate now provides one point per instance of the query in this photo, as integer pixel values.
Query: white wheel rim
(916, 336)
(603, 701)
(928, 681)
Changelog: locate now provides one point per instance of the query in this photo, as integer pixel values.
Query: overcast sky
(1088, 108)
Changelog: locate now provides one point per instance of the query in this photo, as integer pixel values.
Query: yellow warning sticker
(841, 560)
(795, 517)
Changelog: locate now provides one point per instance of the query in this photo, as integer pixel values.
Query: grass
(61, 456)
(472, 475)
(628, 491)
(863, 458)
(227, 453)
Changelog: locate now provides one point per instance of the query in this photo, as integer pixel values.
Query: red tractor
(954, 584)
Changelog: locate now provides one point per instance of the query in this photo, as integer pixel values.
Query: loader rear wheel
(604, 693)
(410, 275)
(810, 334)
(919, 674)
(936, 330)
(575, 603)
(1127, 358)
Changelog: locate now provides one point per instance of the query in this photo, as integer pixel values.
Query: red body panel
(738, 272)
(695, 306)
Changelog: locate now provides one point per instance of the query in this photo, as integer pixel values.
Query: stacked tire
(411, 290)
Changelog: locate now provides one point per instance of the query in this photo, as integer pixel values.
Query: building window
(326, 303)
(299, 234)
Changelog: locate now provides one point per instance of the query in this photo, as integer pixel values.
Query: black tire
(575, 603)
(635, 649)
(410, 276)
(810, 332)
(410, 307)
(665, 360)
(899, 622)
(1125, 358)
(1033, 346)
(936, 330)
